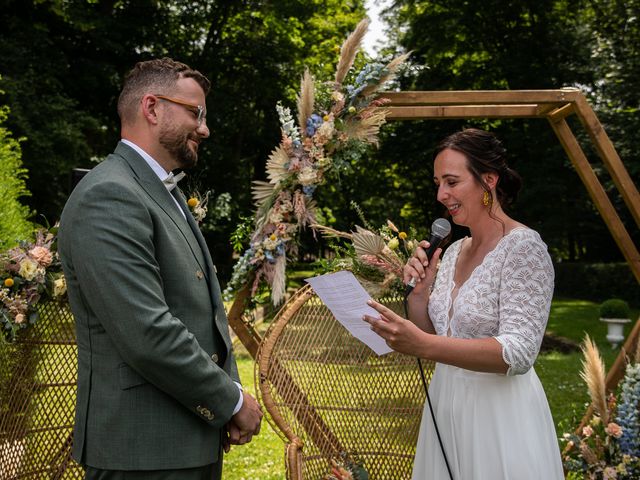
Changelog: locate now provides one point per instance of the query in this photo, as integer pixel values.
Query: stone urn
(615, 313)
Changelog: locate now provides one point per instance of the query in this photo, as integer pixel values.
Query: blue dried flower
(628, 411)
(308, 190)
(313, 122)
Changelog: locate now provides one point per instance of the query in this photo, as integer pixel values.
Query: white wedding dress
(493, 427)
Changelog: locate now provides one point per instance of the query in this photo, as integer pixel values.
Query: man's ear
(149, 108)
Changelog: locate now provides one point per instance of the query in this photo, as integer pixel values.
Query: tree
(501, 45)
(14, 223)
(63, 62)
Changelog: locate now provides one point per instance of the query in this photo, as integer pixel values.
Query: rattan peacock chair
(329, 395)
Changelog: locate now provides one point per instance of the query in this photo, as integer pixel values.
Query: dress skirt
(492, 426)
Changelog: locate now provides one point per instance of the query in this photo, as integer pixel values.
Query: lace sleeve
(526, 289)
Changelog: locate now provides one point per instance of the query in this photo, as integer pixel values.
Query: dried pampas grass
(306, 99)
(331, 232)
(349, 50)
(593, 373)
(368, 128)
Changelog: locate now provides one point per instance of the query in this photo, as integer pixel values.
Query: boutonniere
(198, 205)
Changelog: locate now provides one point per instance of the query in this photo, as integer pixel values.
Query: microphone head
(440, 228)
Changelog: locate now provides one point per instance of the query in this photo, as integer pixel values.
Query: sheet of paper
(347, 299)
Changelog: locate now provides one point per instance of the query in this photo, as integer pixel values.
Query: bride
(482, 319)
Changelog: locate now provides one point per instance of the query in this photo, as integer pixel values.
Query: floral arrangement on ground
(345, 468)
(334, 123)
(607, 446)
(31, 273)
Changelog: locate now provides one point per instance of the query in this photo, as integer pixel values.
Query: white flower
(270, 243)
(286, 206)
(307, 176)
(59, 287)
(275, 216)
(28, 269)
(326, 129)
(199, 213)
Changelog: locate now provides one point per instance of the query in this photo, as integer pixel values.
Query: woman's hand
(400, 334)
(419, 269)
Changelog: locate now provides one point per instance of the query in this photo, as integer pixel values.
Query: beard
(177, 144)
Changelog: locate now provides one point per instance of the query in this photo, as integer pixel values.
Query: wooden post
(248, 335)
(598, 195)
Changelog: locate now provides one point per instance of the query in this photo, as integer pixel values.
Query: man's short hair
(157, 76)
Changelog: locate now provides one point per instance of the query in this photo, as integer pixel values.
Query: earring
(485, 198)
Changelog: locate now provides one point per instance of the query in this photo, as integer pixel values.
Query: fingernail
(369, 302)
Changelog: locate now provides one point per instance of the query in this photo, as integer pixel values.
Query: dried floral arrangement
(608, 446)
(376, 256)
(333, 122)
(30, 273)
(345, 468)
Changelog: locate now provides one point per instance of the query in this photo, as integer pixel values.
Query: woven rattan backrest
(327, 390)
(38, 376)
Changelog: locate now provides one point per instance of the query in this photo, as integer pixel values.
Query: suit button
(214, 357)
(199, 274)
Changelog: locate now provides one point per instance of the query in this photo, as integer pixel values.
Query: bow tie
(172, 180)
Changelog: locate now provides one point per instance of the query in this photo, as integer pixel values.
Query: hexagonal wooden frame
(555, 106)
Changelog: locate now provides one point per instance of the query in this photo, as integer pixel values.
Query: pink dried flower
(609, 473)
(614, 430)
(41, 255)
(587, 431)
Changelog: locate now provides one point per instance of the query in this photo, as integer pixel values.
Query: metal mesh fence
(38, 374)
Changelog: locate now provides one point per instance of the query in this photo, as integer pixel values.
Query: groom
(158, 388)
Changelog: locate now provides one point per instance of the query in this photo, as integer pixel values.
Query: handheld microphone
(440, 229)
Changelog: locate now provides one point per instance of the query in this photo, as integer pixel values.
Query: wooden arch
(555, 106)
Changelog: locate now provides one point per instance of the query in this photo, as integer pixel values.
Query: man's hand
(244, 424)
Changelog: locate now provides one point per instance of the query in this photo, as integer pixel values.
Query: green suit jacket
(155, 368)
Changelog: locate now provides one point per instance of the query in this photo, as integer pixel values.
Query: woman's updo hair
(485, 154)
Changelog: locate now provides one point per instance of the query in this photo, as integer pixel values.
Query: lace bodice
(508, 297)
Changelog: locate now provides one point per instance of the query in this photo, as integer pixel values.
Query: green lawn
(263, 458)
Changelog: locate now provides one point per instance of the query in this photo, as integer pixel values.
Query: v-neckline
(456, 289)
(489, 253)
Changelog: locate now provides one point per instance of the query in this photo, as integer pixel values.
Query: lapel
(150, 182)
(212, 278)
(195, 229)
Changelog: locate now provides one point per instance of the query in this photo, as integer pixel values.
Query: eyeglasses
(198, 110)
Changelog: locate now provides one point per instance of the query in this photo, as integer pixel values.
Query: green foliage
(63, 63)
(14, 224)
(597, 281)
(614, 308)
(241, 236)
